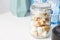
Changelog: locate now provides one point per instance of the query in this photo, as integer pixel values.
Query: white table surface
(13, 28)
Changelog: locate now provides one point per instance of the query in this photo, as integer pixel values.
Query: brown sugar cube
(36, 24)
(34, 18)
(46, 28)
(47, 19)
(38, 18)
(43, 15)
(42, 23)
(47, 23)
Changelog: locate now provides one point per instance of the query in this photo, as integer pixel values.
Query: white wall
(4, 6)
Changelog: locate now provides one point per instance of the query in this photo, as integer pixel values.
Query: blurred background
(4, 6)
(16, 28)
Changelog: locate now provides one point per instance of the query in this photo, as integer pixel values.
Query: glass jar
(40, 23)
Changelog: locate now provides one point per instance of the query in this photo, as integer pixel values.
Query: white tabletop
(13, 28)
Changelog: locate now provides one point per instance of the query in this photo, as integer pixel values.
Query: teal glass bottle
(19, 8)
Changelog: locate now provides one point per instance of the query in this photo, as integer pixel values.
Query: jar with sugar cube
(40, 23)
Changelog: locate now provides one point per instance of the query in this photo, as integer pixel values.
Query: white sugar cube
(44, 34)
(39, 29)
